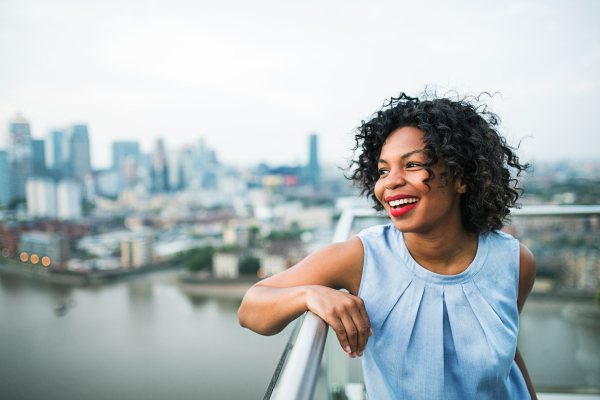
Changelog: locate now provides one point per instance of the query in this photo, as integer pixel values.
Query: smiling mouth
(400, 203)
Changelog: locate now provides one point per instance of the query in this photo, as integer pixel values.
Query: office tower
(68, 199)
(160, 169)
(54, 149)
(122, 151)
(204, 164)
(143, 171)
(4, 180)
(41, 197)
(175, 160)
(314, 172)
(39, 158)
(187, 167)
(76, 152)
(20, 155)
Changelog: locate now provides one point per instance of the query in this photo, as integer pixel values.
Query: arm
(526, 279)
(313, 285)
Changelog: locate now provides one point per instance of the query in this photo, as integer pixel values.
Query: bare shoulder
(526, 275)
(337, 265)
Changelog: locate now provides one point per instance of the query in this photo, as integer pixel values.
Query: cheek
(379, 188)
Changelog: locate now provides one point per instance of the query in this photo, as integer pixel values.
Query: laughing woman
(435, 295)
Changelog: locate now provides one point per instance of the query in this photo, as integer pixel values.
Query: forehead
(402, 141)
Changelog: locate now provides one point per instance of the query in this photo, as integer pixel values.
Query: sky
(255, 78)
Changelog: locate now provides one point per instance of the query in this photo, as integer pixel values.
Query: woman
(439, 290)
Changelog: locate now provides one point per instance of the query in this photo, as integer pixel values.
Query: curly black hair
(463, 134)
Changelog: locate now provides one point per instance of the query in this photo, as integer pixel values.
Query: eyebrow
(382, 161)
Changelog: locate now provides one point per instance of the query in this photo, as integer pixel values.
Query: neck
(447, 251)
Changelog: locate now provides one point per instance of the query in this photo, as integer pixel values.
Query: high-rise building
(314, 172)
(76, 152)
(68, 199)
(41, 197)
(20, 154)
(4, 180)
(54, 149)
(175, 160)
(123, 150)
(160, 169)
(39, 158)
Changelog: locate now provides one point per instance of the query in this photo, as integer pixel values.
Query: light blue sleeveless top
(441, 336)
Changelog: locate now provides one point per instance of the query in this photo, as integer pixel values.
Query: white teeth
(395, 203)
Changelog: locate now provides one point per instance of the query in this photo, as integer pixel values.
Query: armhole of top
(364, 265)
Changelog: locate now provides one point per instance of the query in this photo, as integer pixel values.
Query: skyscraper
(122, 150)
(314, 172)
(4, 180)
(76, 152)
(20, 154)
(39, 158)
(54, 149)
(160, 170)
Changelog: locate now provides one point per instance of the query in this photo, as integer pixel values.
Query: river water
(142, 339)
(146, 339)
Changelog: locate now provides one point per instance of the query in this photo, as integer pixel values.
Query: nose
(395, 179)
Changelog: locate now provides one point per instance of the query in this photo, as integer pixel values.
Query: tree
(200, 259)
(249, 266)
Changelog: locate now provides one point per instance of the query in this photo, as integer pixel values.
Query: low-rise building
(137, 250)
(225, 265)
(45, 244)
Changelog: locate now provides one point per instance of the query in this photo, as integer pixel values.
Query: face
(412, 205)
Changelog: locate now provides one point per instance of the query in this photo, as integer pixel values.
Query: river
(143, 339)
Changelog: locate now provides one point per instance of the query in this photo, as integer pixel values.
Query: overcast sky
(255, 78)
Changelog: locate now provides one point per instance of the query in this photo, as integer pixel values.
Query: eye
(383, 171)
(412, 164)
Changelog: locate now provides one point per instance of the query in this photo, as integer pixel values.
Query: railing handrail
(552, 210)
(300, 375)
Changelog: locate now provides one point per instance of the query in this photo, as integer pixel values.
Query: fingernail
(360, 353)
(347, 349)
(353, 355)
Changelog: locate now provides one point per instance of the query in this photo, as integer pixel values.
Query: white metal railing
(302, 369)
(299, 377)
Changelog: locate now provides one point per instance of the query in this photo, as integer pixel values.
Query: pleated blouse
(441, 336)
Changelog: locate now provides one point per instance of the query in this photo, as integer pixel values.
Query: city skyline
(253, 80)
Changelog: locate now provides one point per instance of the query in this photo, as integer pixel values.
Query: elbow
(243, 315)
(247, 320)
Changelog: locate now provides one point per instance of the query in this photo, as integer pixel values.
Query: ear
(461, 186)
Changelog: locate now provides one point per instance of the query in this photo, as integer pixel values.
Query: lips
(400, 204)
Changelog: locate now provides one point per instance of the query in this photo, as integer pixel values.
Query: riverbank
(45, 274)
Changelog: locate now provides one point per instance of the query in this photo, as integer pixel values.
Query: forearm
(523, 368)
(268, 310)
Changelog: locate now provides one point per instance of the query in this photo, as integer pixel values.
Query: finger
(338, 327)
(366, 323)
(362, 331)
(351, 332)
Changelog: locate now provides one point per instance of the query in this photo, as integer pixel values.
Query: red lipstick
(396, 212)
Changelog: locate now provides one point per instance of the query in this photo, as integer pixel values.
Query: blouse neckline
(434, 277)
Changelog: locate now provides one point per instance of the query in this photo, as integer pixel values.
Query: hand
(345, 313)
